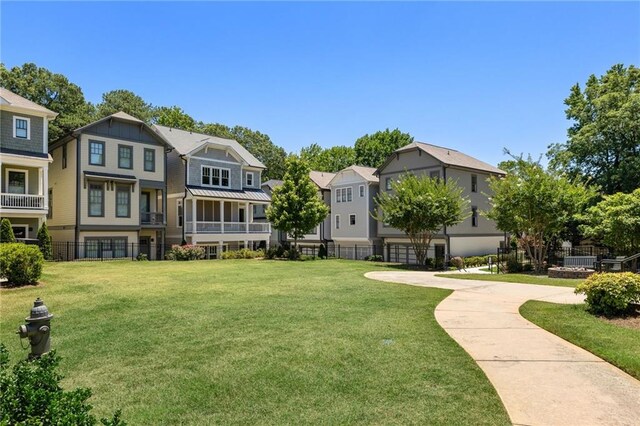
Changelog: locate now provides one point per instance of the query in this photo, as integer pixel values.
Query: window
(17, 181)
(21, 127)
(349, 194)
(474, 216)
(50, 212)
(179, 214)
(96, 153)
(344, 195)
(64, 156)
(96, 200)
(361, 190)
(249, 179)
(214, 176)
(107, 248)
(352, 219)
(149, 160)
(338, 192)
(337, 221)
(435, 174)
(123, 201)
(474, 183)
(125, 157)
(387, 184)
(21, 232)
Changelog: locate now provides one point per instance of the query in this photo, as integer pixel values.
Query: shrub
(44, 241)
(322, 251)
(242, 254)
(20, 264)
(185, 252)
(374, 258)
(610, 293)
(513, 265)
(458, 262)
(142, 257)
(6, 232)
(31, 395)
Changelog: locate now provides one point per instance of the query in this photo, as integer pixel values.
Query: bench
(579, 261)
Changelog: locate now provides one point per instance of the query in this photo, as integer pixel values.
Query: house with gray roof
(107, 184)
(213, 190)
(24, 163)
(477, 235)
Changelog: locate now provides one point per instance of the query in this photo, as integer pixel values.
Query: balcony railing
(22, 201)
(151, 218)
(227, 228)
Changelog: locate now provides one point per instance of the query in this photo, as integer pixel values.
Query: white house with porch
(24, 163)
(213, 185)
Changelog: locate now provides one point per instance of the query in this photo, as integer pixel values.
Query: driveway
(541, 378)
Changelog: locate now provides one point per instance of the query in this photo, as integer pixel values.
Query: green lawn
(618, 345)
(516, 278)
(248, 341)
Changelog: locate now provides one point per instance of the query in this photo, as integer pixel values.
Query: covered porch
(216, 216)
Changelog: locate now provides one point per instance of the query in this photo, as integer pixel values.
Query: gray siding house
(213, 191)
(108, 183)
(353, 227)
(24, 163)
(477, 235)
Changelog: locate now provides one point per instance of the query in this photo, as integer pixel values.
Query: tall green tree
(331, 159)
(295, 206)
(51, 90)
(126, 101)
(373, 150)
(420, 207)
(535, 205)
(174, 117)
(44, 242)
(603, 145)
(6, 232)
(615, 221)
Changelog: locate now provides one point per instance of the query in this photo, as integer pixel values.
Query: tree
(331, 159)
(126, 101)
(44, 242)
(603, 145)
(6, 232)
(174, 117)
(420, 207)
(535, 205)
(52, 91)
(616, 222)
(373, 150)
(295, 206)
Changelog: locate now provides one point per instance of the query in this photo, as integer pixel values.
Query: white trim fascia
(214, 159)
(28, 120)
(22, 160)
(26, 181)
(20, 110)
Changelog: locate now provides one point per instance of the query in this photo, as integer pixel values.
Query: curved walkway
(541, 378)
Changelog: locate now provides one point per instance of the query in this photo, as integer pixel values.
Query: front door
(145, 205)
(241, 215)
(145, 246)
(439, 248)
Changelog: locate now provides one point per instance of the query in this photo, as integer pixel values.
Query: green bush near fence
(610, 294)
(185, 252)
(20, 264)
(242, 254)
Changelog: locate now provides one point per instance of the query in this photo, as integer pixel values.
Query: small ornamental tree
(534, 205)
(616, 222)
(295, 206)
(420, 207)
(6, 232)
(44, 241)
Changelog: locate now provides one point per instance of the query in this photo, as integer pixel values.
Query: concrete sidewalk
(541, 378)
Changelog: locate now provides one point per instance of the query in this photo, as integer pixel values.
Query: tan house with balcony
(108, 189)
(213, 191)
(24, 163)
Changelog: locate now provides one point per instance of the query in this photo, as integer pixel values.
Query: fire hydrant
(37, 329)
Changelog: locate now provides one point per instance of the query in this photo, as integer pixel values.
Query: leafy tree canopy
(126, 101)
(535, 205)
(603, 145)
(373, 150)
(174, 117)
(331, 159)
(52, 91)
(616, 222)
(420, 206)
(295, 206)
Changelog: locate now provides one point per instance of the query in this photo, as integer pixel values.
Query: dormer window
(249, 179)
(21, 128)
(215, 176)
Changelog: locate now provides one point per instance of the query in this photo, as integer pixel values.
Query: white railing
(227, 228)
(22, 201)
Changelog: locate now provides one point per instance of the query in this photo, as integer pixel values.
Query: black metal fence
(555, 257)
(104, 250)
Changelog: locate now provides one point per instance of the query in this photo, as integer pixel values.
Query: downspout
(78, 199)
(447, 238)
(184, 198)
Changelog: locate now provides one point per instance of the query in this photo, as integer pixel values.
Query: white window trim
(247, 182)
(361, 191)
(28, 120)
(355, 219)
(202, 167)
(336, 222)
(21, 225)
(26, 179)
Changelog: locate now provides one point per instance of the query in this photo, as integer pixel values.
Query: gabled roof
(447, 156)
(321, 179)
(7, 97)
(186, 142)
(366, 173)
(272, 183)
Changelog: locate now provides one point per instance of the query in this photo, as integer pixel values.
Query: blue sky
(476, 77)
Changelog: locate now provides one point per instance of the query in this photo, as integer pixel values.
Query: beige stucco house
(108, 186)
(24, 163)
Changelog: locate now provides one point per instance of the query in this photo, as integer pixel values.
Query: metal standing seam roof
(185, 142)
(11, 99)
(246, 195)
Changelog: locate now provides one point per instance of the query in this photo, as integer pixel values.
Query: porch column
(194, 216)
(246, 219)
(45, 190)
(221, 219)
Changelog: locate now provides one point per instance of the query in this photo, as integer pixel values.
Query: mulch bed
(630, 321)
